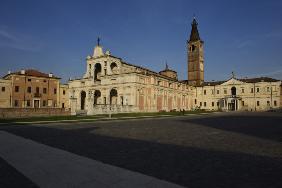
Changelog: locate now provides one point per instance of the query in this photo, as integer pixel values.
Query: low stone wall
(32, 112)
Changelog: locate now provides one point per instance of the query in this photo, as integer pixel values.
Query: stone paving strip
(51, 167)
(106, 119)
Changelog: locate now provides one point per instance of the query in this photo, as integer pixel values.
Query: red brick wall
(32, 112)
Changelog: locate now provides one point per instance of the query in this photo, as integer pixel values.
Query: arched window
(114, 68)
(233, 91)
(97, 72)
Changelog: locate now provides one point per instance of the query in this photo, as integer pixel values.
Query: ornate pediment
(232, 81)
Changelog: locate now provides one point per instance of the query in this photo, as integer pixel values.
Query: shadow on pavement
(267, 127)
(187, 166)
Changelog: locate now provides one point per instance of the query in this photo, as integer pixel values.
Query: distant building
(33, 89)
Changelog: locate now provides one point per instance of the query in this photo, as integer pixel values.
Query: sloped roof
(32, 72)
(246, 80)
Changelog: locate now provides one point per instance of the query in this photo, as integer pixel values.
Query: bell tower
(195, 52)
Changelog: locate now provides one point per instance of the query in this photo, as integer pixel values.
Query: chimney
(22, 71)
(50, 75)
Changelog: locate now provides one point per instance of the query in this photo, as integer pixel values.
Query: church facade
(111, 85)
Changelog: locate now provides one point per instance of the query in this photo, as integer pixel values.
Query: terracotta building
(33, 89)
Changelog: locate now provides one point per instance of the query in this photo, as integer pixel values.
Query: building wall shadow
(187, 166)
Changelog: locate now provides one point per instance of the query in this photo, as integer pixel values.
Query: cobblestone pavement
(216, 150)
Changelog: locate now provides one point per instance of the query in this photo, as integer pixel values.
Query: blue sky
(244, 36)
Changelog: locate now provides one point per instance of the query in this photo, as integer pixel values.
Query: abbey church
(111, 85)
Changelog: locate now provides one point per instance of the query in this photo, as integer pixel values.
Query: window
(205, 104)
(44, 80)
(17, 88)
(105, 70)
(257, 90)
(252, 90)
(28, 103)
(268, 103)
(257, 103)
(64, 92)
(3, 89)
(205, 92)
(212, 91)
(63, 105)
(225, 91)
(200, 103)
(29, 80)
(212, 103)
(267, 89)
(16, 103)
(243, 103)
(217, 103)
(29, 89)
(37, 89)
(44, 90)
(275, 103)
(44, 103)
(195, 101)
(55, 91)
(217, 92)
(243, 91)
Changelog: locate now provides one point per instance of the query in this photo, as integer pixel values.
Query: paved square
(212, 150)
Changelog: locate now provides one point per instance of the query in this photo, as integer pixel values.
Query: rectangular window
(275, 103)
(243, 103)
(268, 103)
(16, 103)
(225, 91)
(44, 90)
(17, 88)
(195, 101)
(252, 90)
(257, 103)
(212, 103)
(243, 91)
(217, 103)
(64, 92)
(63, 105)
(55, 91)
(212, 91)
(267, 89)
(205, 92)
(257, 90)
(200, 103)
(217, 92)
(29, 89)
(205, 104)
(44, 80)
(3, 89)
(28, 103)
(44, 103)
(29, 80)
(37, 89)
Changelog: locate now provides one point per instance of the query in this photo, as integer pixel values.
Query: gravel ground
(225, 150)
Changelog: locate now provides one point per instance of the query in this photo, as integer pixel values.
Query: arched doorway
(233, 91)
(113, 96)
(97, 72)
(82, 100)
(97, 95)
